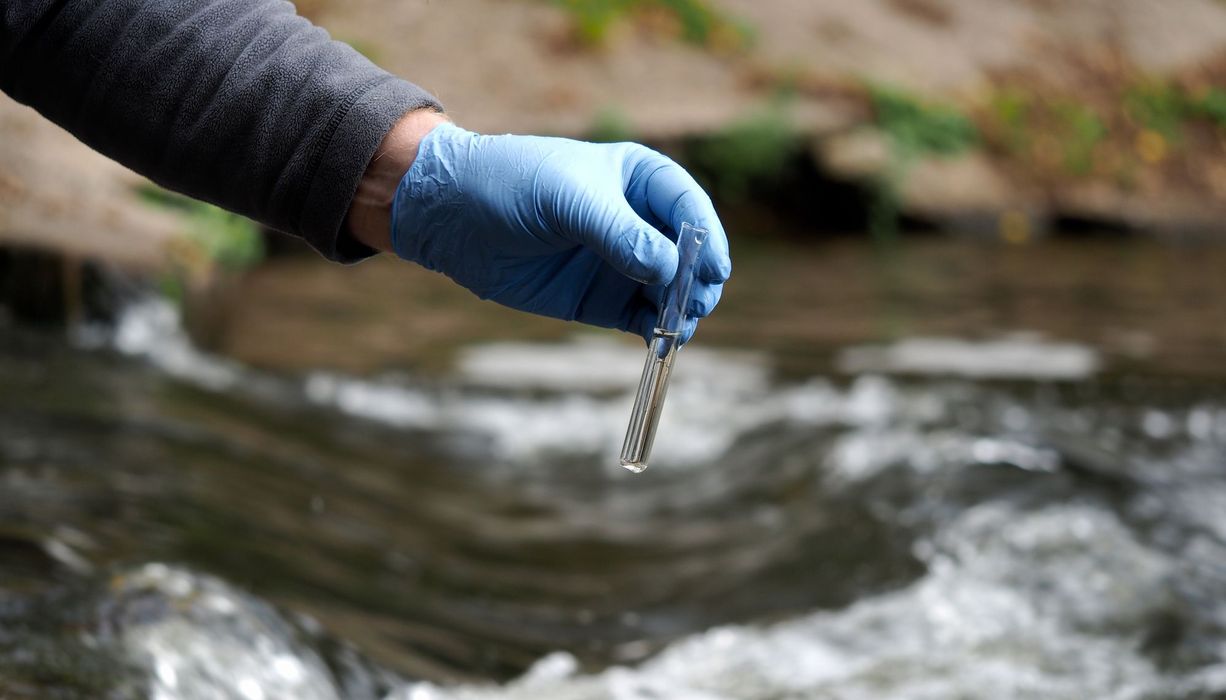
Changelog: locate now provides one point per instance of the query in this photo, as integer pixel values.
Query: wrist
(370, 211)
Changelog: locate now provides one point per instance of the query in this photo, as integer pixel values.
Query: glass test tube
(665, 340)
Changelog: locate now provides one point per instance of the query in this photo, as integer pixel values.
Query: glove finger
(703, 298)
(676, 198)
(630, 245)
(688, 330)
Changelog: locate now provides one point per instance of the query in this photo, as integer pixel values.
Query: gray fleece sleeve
(237, 102)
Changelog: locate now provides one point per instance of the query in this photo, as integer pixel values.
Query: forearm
(237, 102)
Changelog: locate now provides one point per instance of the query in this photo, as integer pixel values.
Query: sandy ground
(513, 66)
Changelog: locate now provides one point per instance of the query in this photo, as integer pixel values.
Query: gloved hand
(556, 227)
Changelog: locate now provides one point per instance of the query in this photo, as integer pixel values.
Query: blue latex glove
(556, 227)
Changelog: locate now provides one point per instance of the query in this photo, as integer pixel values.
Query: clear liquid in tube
(649, 401)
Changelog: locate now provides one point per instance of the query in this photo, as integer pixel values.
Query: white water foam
(152, 329)
(535, 400)
(1018, 356)
(213, 642)
(1016, 604)
(713, 401)
(527, 400)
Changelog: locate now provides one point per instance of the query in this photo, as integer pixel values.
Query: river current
(1011, 517)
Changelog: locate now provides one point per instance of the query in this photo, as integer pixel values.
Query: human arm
(237, 102)
(244, 104)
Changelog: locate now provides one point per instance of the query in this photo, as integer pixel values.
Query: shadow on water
(887, 530)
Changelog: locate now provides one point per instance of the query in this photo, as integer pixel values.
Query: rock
(858, 154)
(967, 193)
(969, 182)
(197, 637)
(166, 632)
(1167, 212)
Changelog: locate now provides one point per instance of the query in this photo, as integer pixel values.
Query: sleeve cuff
(352, 145)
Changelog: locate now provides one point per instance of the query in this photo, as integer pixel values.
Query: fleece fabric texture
(241, 103)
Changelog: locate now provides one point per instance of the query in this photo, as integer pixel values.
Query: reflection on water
(1052, 528)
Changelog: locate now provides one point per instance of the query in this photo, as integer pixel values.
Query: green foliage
(698, 22)
(1080, 130)
(225, 238)
(610, 126)
(1166, 108)
(1011, 111)
(755, 150)
(1213, 106)
(594, 18)
(1104, 131)
(915, 129)
(173, 288)
(1159, 106)
(1017, 120)
(229, 239)
(921, 128)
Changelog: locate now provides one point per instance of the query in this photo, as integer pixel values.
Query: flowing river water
(954, 470)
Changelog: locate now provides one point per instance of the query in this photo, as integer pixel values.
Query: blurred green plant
(173, 288)
(593, 18)
(914, 129)
(1079, 130)
(697, 21)
(1166, 108)
(756, 150)
(702, 24)
(1161, 107)
(221, 237)
(611, 125)
(917, 128)
(1010, 111)
(1110, 131)
(1061, 132)
(1213, 106)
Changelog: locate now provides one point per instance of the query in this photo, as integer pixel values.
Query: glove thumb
(632, 246)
